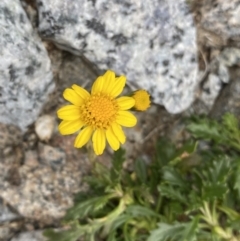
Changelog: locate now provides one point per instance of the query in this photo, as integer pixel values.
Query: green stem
(212, 220)
(159, 204)
(91, 154)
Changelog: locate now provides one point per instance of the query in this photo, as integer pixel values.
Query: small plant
(186, 194)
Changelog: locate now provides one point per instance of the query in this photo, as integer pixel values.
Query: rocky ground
(40, 170)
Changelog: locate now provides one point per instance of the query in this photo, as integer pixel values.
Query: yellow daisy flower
(98, 114)
(142, 100)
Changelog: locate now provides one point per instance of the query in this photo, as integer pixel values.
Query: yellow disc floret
(99, 111)
(142, 100)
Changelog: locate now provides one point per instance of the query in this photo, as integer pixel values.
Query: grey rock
(10, 135)
(46, 188)
(151, 42)
(230, 57)
(229, 98)
(44, 127)
(223, 73)
(54, 157)
(221, 17)
(25, 73)
(8, 230)
(219, 74)
(5, 233)
(211, 89)
(29, 236)
(6, 214)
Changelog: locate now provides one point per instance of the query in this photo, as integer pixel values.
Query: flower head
(142, 100)
(98, 114)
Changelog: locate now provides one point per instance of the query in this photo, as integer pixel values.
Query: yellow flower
(142, 100)
(98, 114)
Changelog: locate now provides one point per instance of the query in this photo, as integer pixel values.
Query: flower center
(99, 111)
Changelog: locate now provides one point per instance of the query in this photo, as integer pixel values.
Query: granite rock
(230, 57)
(53, 157)
(220, 20)
(152, 42)
(6, 214)
(9, 229)
(219, 75)
(229, 98)
(48, 179)
(25, 70)
(29, 236)
(211, 89)
(10, 135)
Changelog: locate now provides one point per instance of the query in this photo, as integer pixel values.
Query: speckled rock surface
(10, 135)
(151, 42)
(7, 231)
(47, 181)
(219, 75)
(29, 236)
(229, 98)
(6, 214)
(221, 21)
(218, 40)
(25, 74)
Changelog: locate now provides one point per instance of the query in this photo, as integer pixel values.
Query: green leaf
(184, 152)
(67, 235)
(140, 211)
(117, 163)
(171, 192)
(175, 208)
(231, 123)
(220, 169)
(213, 191)
(118, 159)
(232, 214)
(85, 208)
(112, 236)
(165, 152)
(102, 174)
(211, 178)
(120, 220)
(236, 176)
(166, 232)
(175, 232)
(191, 230)
(140, 169)
(206, 129)
(126, 233)
(173, 177)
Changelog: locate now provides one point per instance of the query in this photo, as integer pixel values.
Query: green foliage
(176, 231)
(185, 194)
(226, 133)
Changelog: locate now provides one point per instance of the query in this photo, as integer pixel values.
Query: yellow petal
(81, 91)
(109, 81)
(73, 97)
(99, 141)
(69, 112)
(98, 85)
(125, 118)
(83, 137)
(69, 127)
(112, 139)
(118, 86)
(117, 130)
(125, 103)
